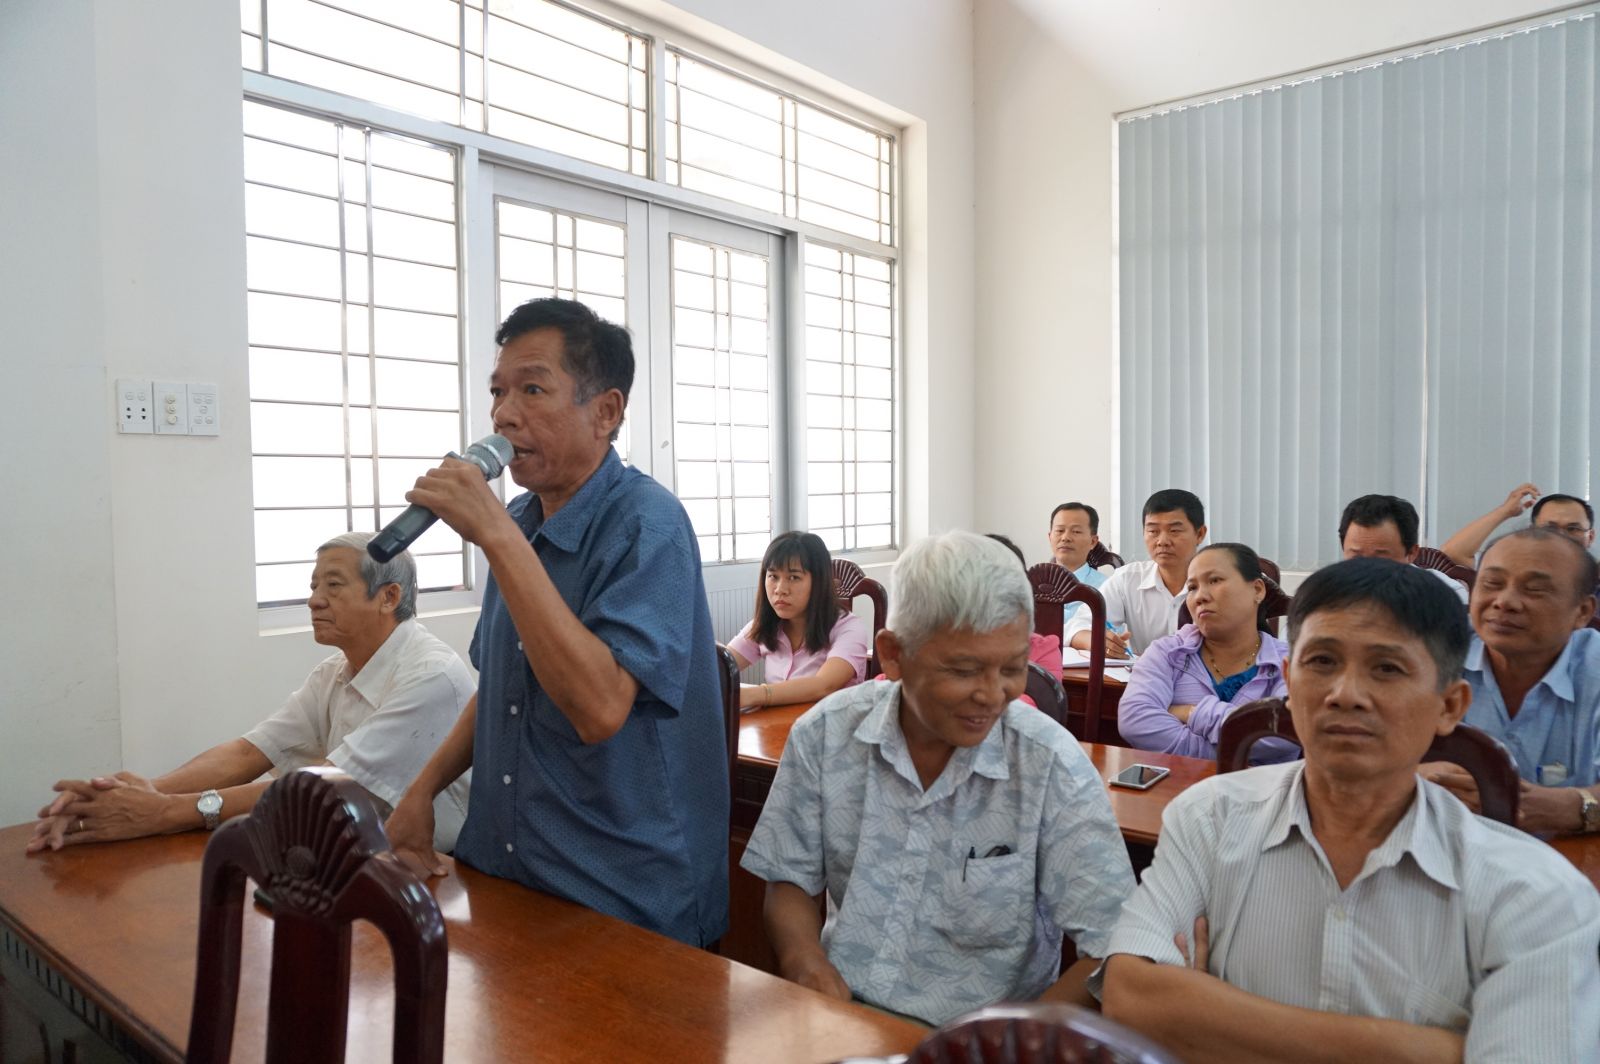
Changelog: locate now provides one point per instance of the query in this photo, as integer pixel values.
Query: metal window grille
(849, 402)
(354, 333)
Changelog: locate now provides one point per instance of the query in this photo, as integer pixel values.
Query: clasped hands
(102, 809)
(1539, 809)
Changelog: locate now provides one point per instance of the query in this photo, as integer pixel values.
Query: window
(734, 138)
(383, 248)
(542, 252)
(531, 71)
(849, 398)
(355, 350)
(722, 409)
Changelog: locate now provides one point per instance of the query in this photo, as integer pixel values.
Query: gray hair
(400, 569)
(957, 580)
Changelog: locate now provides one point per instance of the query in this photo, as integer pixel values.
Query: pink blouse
(850, 641)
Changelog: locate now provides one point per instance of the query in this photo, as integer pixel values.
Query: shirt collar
(570, 523)
(1558, 678)
(374, 676)
(1152, 577)
(1418, 832)
(881, 728)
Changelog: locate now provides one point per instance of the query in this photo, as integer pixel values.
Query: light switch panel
(171, 408)
(204, 417)
(133, 407)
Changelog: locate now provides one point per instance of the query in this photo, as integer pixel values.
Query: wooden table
(1584, 852)
(107, 934)
(1076, 682)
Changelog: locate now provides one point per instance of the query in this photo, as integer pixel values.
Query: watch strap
(1590, 811)
(210, 807)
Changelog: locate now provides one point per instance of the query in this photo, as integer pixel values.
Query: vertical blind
(1380, 279)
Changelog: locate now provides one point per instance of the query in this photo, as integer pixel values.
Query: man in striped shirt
(1340, 908)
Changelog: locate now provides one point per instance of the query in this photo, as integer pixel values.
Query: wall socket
(168, 408)
(134, 407)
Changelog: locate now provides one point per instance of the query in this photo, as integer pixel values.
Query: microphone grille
(491, 454)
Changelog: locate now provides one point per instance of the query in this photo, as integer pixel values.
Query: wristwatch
(1590, 811)
(210, 806)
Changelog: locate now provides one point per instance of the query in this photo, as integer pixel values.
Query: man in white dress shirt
(1145, 596)
(1385, 526)
(376, 710)
(1341, 908)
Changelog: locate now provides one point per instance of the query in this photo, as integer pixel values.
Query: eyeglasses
(1571, 530)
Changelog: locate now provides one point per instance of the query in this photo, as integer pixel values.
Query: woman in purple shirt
(811, 647)
(1186, 684)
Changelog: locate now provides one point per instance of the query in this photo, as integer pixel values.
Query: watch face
(210, 803)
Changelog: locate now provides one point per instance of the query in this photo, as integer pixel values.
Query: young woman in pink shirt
(810, 646)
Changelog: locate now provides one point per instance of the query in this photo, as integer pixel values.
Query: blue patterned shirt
(1086, 574)
(635, 826)
(926, 922)
(1555, 736)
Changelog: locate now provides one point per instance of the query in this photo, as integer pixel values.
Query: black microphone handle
(400, 533)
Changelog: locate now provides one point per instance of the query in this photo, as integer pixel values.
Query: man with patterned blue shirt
(957, 831)
(596, 736)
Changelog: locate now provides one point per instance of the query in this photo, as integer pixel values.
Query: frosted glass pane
(412, 432)
(292, 268)
(292, 168)
(284, 583)
(426, 336)
(290, 482)
(295, 535)
(425, 384)
(288, 428)
(296, 375)
(439, 572)
(414, 287)
(287, 321)
(697, 480)
(291, 215)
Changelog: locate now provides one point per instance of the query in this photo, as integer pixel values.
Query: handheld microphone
(490, 454)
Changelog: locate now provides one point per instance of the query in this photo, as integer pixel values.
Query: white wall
(130, 637)
(1050, 75)
(58, 636)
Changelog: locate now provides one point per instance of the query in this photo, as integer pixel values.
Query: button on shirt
(1136, 597)
(954, 897)
(635, 826)
(848, 641)
(1558, 727)
(381, 725)
(1454, 921)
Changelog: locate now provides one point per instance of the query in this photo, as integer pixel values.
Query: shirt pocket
(987, 902)
(1429, 1008)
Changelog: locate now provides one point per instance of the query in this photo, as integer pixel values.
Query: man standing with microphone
(596, 736)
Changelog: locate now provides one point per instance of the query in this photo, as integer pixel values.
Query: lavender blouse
(1171, 673)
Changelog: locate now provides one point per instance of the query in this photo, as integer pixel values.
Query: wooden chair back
(1037, 1033)
(848, 583)
(1487, 760)
(1047, 693)
(1434, 558)
(728, 681)
(1053, 587)
(1100, 554)
(315, 844)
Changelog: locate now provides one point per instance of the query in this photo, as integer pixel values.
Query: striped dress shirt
(1454, 921)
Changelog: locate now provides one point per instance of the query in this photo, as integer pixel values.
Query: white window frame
(475, 235)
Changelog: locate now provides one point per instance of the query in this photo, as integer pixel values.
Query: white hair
(401, 569)
(958, 580)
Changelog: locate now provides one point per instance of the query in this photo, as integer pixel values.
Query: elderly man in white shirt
(1341, 908)
(376, 710)
(957, 831)
(1146, 596)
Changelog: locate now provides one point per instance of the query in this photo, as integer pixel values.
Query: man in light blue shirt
(957, 832)
(1074, 532)
(1534, 671)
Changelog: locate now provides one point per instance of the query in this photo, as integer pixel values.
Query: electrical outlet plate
(134, 413)
(204, 417)
(171, 408)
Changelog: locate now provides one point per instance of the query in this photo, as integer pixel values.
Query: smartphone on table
(1139, 777)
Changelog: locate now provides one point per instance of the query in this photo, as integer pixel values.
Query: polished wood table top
(763, 732)
(531, 977)
(1584, 852)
